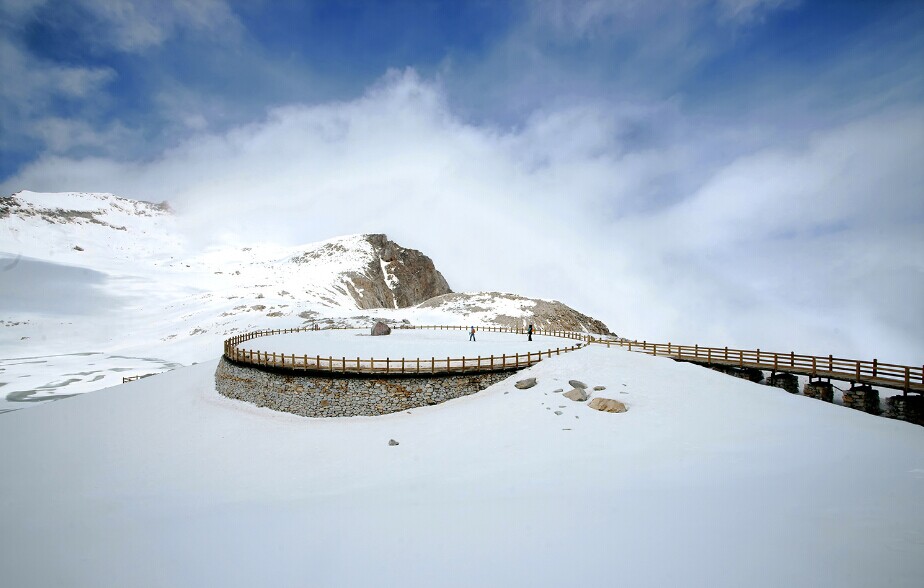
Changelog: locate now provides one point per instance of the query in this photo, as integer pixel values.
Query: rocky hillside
(377, 272)
(512, 310)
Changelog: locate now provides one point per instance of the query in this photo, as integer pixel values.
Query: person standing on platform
(529, 332)
(471, 334)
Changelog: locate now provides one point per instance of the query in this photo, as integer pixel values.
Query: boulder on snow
(527, 383)
(607, 405)
(577, 394)
(598, 388)
(392, 442)
(577, 384)
(381, 328)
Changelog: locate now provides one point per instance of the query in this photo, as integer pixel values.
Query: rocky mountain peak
(375, 271)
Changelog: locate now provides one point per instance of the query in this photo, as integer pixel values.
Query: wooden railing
(396, 366)
(890, 375)
(126, 379)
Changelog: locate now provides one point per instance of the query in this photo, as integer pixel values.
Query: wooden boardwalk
(874, 373)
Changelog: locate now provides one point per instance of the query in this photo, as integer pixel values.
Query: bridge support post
(862, 397)
(788, 382)
(906, 408)
(820, 390)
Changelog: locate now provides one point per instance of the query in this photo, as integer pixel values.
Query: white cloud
(814, 248)
(134, 25)
(32, 82)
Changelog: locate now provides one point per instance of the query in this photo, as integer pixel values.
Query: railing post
(875, 366)
(696, 350)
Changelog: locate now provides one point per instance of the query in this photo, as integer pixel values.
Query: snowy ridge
(99, 274)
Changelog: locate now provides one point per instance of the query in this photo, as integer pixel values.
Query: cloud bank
(813, 246)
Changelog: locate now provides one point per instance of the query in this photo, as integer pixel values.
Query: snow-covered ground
(86, 275)
(707, 480)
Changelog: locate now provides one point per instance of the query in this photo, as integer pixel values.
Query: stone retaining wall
(906, 408)
(788, 382)
(820, 390)
(339, 396)
(863, 398)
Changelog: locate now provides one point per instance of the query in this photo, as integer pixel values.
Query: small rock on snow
(392, 442)
(577, 394)
(527, 383)
(577, 384)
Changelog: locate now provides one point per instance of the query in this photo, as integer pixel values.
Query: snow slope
(707, 481)
(86, 275)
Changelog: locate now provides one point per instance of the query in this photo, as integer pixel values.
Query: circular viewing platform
(406, 351)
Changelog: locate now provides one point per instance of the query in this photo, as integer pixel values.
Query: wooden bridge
(888, 375)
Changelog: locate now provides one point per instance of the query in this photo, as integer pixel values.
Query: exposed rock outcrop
(386, 275)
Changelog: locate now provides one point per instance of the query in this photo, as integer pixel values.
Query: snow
(707, 480)
(146, 292)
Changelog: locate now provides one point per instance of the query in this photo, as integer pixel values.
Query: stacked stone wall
(820, 390)
(319, 395)
(862, 398)
(788, 382)
(906, 408)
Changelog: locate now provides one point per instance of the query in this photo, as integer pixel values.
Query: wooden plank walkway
(875, 373)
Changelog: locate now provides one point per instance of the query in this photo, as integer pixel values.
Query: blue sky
(746, 170)
(153, 72)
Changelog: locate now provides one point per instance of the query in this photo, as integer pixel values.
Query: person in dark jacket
(529, 332)
(471, 334)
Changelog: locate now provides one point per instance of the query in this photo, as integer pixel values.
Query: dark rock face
(412, 278)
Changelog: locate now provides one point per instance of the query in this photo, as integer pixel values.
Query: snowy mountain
(95, 287)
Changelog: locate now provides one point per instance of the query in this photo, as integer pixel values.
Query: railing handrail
(904, 377)
(418, 365)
